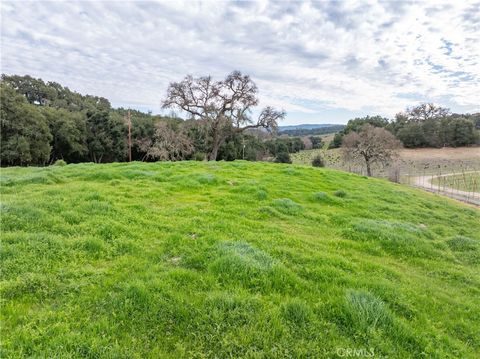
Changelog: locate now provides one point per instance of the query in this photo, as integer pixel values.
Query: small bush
(199, 156)
(207, 178)
(296, 312)
(261, 194)
(340, 193)
(462, 243)
(320, 197)
(318, 161)
(283, 157)
(60, 163)
(366, 312)
(287, 206)
(241, 262)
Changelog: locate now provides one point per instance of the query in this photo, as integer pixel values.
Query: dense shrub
(318, 161)
(60, 163)
(283, 157)
(240, 146)
(289, 144)
(340, 193)
(199, 156)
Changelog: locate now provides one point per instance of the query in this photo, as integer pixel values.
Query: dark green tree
(337, 141)
(461, 132)
(68, 134)
(316, 142)
(25, 136)
(355, 125)
(412, 135)
(432, 132)
(283, 157)
(106, 135)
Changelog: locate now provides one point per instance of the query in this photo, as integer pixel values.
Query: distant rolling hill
(310, 129)
(305, 126)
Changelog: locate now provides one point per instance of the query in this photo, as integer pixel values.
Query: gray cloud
(305, 57)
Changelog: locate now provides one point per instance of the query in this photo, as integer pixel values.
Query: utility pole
(243, 147)
(129, 122)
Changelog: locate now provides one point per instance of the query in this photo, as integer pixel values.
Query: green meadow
(233, 259)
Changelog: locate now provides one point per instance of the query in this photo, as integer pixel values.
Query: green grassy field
(237, 259)
(465, 182)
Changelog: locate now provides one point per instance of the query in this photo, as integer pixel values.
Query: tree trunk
(216, 145)
(369, 170)
(213, 154)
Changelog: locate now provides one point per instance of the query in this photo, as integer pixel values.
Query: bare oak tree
(167, 144)
(307, 142)
(224, 106)
(424, 112)
(372, 145)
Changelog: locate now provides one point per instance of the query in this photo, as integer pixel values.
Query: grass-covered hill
(237, 259)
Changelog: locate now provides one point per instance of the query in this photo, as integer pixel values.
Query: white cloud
(376, 57)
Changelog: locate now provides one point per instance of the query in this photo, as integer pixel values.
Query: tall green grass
(237, 259)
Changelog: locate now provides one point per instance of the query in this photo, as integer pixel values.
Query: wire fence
(452, 178)
(451, 172)
(463, 185)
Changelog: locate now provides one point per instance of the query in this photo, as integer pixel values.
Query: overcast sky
(323, 62)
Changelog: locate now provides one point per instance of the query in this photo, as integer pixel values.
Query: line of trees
(425, 125)
(42, 122)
